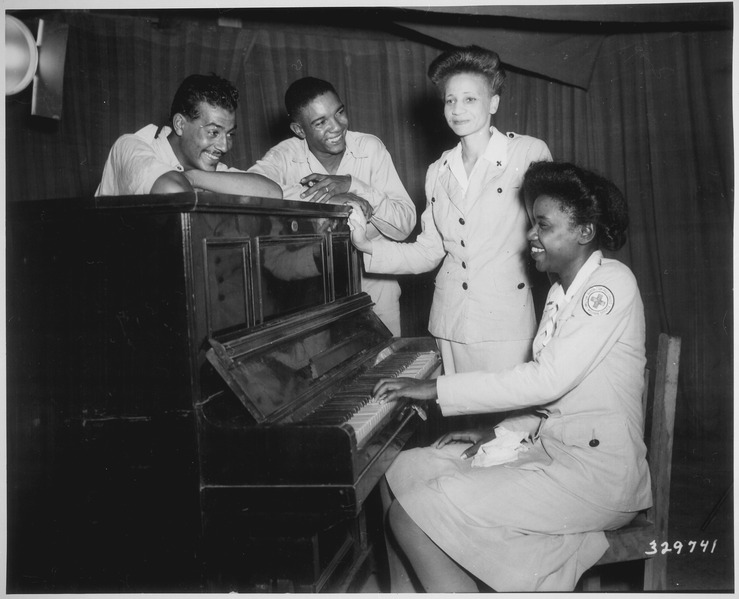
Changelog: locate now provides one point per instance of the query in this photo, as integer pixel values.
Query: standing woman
(475, 221)
(532, 519)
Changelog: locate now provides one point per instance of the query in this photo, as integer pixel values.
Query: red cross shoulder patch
(598, 300)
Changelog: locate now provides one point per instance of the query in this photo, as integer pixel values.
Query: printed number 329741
(678, 546)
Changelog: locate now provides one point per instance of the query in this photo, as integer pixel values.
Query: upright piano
(189, 395)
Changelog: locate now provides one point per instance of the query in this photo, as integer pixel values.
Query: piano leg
(400, 578)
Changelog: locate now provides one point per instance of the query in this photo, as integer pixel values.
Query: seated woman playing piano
(524, 509)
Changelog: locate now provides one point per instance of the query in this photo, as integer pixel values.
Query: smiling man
(187, 154)
(325, 162)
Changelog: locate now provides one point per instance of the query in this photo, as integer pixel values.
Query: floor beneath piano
(698, 486)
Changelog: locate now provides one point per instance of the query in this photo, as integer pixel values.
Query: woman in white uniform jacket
(533, 519)
(475, 221)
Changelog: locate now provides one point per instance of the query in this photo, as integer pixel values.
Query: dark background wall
(654, 115)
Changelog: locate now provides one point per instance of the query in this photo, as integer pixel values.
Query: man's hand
(323, 187)
(390, 389)
(476, 437)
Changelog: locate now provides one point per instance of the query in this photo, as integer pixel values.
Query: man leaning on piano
(185, 155)
(326, 162)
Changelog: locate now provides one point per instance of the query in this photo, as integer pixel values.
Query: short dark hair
(468, 59)
(586, 196)
(212, 89)
(303, 91)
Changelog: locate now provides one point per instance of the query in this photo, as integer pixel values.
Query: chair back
(662, 416)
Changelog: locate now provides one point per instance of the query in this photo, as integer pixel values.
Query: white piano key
(371, 414)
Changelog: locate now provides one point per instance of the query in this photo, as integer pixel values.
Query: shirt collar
(591, 264)
(163, 141)
(496, 152)
(161, 132)
(353, 147)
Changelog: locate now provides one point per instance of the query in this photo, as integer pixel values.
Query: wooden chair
(635, 541)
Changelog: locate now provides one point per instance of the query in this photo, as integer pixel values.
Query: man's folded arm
(171, 182)
(234, 182)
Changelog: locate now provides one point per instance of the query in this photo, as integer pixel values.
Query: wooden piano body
(172, 362)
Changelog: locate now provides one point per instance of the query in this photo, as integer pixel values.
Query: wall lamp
(40, 60)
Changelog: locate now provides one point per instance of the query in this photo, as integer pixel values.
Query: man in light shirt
(325, 162)
(187, 154)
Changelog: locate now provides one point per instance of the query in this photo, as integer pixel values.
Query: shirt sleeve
(422, 255)
(277, 165)
(582, 341)
(523, 420)
(393, 211)
(132, 167)
(539, 152)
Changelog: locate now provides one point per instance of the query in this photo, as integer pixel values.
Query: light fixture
(21, 56)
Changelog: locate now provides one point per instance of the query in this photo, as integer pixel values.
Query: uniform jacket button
(461, 221)
(594, 443)
(521, 285)
(464, 286)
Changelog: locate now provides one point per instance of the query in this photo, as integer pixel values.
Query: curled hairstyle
(195, 89)
(303, 91)
(468, 59)
(585, 196)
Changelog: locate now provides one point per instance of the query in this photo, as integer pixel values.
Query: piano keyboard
(354, 404)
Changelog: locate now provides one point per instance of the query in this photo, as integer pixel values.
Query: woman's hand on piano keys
(391, 389)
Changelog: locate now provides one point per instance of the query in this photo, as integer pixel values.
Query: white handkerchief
(504, 448)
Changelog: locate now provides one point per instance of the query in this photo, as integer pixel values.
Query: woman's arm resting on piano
(390, 389)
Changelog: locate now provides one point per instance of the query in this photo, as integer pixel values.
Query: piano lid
(279, 368)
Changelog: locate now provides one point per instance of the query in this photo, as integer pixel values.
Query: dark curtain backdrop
(656, 119)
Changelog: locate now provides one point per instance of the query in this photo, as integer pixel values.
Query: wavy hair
(468, 59)
(586, 196)
(211, 89)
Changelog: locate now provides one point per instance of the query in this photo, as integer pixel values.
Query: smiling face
(468, 103)
(202, 142)
(323, 123)
(558, 245)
